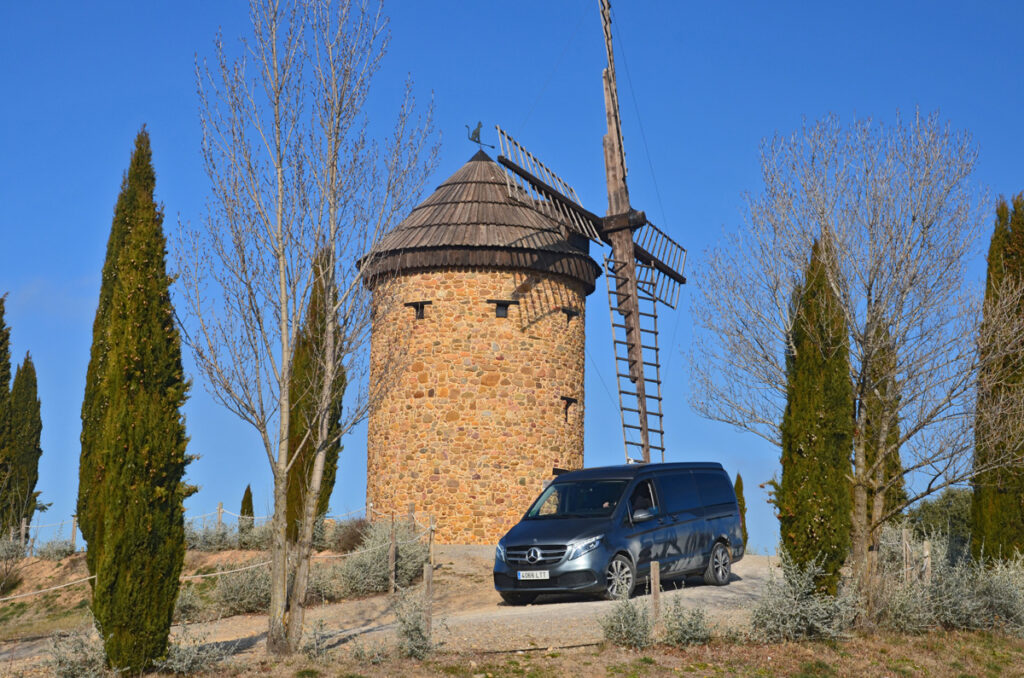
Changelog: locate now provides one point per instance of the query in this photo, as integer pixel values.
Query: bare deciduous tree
(897, 203)
(295, 178)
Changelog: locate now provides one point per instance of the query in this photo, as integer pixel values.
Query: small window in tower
(569, 402)
(570, 313)
(418, 306)
(501, 306)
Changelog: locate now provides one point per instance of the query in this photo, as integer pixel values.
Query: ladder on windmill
(639, 386)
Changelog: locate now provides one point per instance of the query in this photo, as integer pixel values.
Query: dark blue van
(598, 531)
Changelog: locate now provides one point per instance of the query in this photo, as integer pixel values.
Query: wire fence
(216, 521)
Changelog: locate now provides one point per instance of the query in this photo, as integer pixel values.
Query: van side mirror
(641, 515)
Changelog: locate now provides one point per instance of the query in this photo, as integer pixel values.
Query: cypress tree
(813, 498)
(997, 507)
(134, 441)
(738, 487)
(6, 469)
(91, 464)
(246, 516)
(23, 449)
(304, 387)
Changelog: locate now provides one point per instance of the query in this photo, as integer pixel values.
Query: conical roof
(471, 220)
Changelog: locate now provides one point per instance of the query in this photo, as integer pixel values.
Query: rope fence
(427, 530)
(31, 536)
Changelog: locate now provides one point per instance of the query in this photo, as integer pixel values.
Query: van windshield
(580, 499)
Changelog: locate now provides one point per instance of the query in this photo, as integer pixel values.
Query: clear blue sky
(709, 81)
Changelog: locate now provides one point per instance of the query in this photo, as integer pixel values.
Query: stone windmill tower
(479, 299)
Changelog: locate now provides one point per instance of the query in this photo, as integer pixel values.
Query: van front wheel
(620, 578)
(719, 566)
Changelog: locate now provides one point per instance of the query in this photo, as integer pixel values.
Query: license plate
(532, 574)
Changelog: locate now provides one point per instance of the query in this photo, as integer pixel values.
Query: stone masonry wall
(473, 418)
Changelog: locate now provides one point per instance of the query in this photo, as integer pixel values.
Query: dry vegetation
(468, 616)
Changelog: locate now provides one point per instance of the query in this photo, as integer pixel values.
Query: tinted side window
(679, 491)
(714, 487)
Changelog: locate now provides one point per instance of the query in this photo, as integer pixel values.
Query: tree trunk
(304, 548)
(859, 537)
(277, 625)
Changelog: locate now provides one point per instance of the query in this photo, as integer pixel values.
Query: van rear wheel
(719, 566)
(620, 578)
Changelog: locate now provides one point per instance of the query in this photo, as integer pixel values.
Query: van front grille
(549, 555)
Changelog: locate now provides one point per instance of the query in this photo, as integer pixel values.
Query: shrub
(320, 534)
(326, 584)
(628, 624)
(244, 592)
(413, 625)
(685, 626)
(188, 605)
(76, 655)
(12, 553)
(315, 648)
(212, 537)
(962, 593)
(373, 653)
(347, 535)
(256, 538)
(792, 608)
(190, 654)
(58, 549)
(366, 571)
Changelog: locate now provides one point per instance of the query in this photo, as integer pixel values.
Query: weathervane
(474, 136)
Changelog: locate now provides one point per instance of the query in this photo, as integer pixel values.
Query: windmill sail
(529, 180)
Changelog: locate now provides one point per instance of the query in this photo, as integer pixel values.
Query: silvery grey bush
(315, 647)
(372, 653)
(189, 654)
(76, 655)
(366, 570)
(685, 626)
(411, 617)
(628, 624)
(212, 537)
(188, 604)
(244, 592)
(58, 549)
(962, 594)
(792, 608)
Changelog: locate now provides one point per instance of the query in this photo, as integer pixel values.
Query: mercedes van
(599, 529)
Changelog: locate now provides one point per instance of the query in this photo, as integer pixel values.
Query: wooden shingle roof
(471, 220)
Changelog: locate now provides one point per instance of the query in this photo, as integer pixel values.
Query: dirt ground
(469, 616)
(479, 636)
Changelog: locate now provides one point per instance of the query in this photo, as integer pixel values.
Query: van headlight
(499, 552)
(579, 548)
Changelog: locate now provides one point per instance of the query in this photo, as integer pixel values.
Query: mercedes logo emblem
(533, 555)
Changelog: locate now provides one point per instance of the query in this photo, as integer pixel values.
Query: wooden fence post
(428, 594)
(927, 562)
(74, 530)
(392, 554)
(220, 514)
(906, 554)
(430, 542)
(655, 591)
(412, 513)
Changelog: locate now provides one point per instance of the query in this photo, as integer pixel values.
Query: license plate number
(532, 574)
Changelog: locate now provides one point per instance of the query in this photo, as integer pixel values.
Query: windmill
(643, 270)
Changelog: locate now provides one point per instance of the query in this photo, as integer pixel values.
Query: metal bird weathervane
(645, 267)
